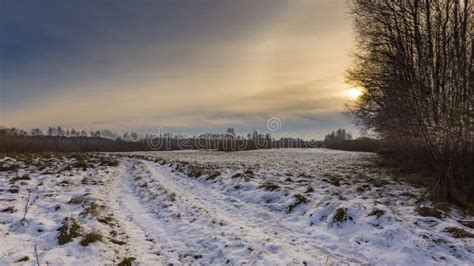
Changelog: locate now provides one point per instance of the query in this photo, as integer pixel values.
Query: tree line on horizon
(57, 139)
(342, 140)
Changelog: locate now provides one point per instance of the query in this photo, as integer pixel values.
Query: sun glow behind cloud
(354, 93)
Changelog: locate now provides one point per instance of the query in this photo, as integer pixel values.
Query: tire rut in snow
(235, 219)
(138, 224)
(183, 230)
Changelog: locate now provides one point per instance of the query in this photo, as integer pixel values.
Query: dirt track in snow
(183, 220)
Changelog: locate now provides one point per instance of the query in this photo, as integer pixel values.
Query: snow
(252, 207)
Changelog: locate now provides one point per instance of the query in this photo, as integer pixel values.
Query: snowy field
(265, 207)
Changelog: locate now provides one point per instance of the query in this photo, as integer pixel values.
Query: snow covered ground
(288, 206)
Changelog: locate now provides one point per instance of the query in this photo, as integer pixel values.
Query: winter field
(265, 207)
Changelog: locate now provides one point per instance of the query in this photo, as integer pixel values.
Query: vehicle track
(181, 220)
(178, 232)
(259, 226)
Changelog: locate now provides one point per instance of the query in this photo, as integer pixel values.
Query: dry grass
(93, 209)
(91, 238)
(458, 232)
(68, 231)
(299, 199)
(77, 200)
(9, 168)
(18, 178)
(270, 186)
(25, 258)
(341, 216)
(428, 212)
(377, 212)
(195, 171)
(127, 261)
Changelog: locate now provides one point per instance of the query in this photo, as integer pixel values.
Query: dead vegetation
(117, 242)
(80, 199)
(24, 259)
(195, 171)
(91, 238)
(333, 180)
(92, 209)
(22, 177)
(69, 230)
(469, 224)
(270, 186)
(341, 216)
(426, 211)
(458, 232)
(299, 199)
(9, 167)
(127, 261)
(377, 212)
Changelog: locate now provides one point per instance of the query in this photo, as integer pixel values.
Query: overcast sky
(188, 66)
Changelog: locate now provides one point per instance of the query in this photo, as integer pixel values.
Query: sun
(353, 93)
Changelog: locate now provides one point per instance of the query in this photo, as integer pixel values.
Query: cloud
(144, 64)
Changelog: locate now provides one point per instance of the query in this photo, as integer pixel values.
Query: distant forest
(57, 139)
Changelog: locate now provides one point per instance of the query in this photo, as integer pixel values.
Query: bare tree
(414, 63)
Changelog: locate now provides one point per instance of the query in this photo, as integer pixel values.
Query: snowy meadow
(280, 206)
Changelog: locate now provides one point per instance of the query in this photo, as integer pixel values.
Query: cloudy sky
(187, 66)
